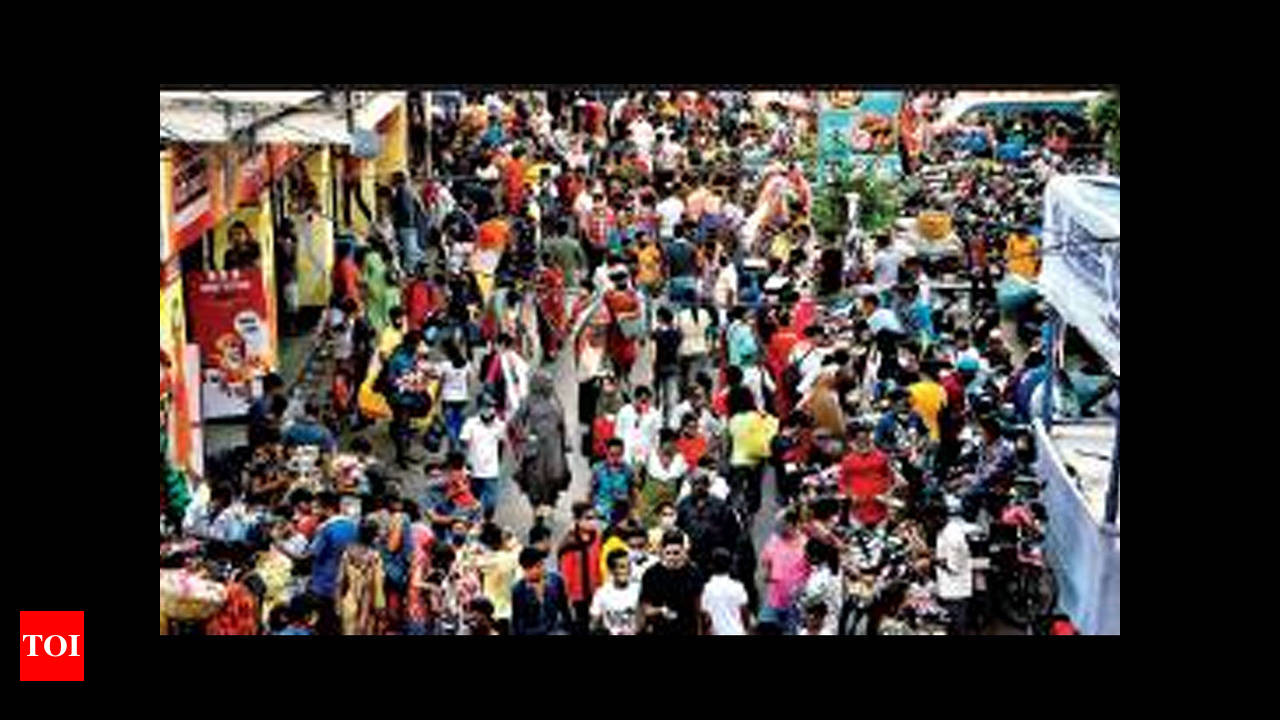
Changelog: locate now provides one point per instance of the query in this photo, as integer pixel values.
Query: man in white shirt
(614, 606)
(810, 354)
(726, 288)
(642, 135)
(484, 436)
(885, 263)
(693, 323)
(515, 374)
(637, 425)
(724, 600)
(671, 211)
(955, 567)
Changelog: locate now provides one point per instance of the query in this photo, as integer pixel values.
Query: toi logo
(51, 645)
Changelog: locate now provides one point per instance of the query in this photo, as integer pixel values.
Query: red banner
(251, 175)
(228, 311)
(193, 212)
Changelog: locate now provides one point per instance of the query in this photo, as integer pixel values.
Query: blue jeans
(454, 415)
(787, 618)
(410, 248)
(487, 490)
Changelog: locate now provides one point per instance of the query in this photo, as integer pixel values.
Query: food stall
(1080, 459)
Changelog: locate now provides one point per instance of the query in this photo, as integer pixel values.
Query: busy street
(640, 361)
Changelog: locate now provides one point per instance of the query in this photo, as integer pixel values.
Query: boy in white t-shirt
(724, 600)
(614, 606)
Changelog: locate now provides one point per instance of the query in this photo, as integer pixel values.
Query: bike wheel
(1026, 595)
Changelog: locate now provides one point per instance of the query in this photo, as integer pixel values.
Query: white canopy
(1080, 275)
(199, 117)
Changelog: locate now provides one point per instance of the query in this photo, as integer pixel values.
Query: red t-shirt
(862, 477)
(955, 393)
(346, 279)
(417, 304)
(692, 448)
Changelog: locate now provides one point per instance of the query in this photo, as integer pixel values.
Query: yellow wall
(315, 258)
(166, 202)
(395, 145)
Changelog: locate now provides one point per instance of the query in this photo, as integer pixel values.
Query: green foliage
(1104, 115)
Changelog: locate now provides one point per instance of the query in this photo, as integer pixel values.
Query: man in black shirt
(708, 520)
(260, 425)
(682, 266)
(671, 592)
(666, 362)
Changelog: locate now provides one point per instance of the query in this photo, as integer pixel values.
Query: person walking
(544, 468)
(539, 601)
(484, 436)
(578, 558)
(406, 209)
(335, 532)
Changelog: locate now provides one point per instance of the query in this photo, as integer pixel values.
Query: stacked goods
(186, 596)
(934, 225)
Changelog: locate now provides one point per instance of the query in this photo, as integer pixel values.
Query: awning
(372, 112)
(200, 117)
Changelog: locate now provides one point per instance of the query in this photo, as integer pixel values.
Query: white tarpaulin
(1080, 275)
(1084, 554)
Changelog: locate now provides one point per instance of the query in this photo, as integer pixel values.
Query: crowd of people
(734, 368)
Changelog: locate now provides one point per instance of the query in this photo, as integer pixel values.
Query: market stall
(1080, 459)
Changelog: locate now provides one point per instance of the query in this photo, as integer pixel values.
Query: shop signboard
(172, 345)
(229, 323)
(193, 209)
(875, 133)
(835, 127)
(251, 174)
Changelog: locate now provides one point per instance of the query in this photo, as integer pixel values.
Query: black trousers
(581, 617)
(744, 483)
(958, 615)
(327, 623)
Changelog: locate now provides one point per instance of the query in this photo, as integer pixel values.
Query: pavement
(513, 510)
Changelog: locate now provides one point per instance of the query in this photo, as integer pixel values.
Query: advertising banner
(173, 342)
(835, 127)
(229, 323)
(193, 209)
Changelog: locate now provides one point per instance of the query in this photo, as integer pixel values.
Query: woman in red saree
(551, 316)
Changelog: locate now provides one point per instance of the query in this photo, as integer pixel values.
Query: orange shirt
(692, 448)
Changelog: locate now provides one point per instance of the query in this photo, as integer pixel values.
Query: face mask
(487, 415)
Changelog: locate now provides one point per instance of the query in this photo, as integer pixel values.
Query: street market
(620, 361)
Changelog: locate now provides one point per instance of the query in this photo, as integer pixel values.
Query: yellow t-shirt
(389, 341)
(927, 399)
(649, 261)
(780, 248)
(1022, 252)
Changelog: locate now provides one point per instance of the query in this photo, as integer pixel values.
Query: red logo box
(51, 644)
